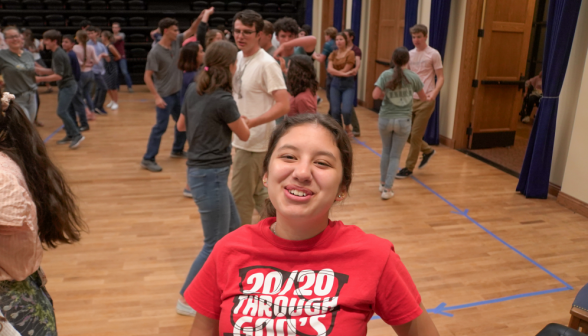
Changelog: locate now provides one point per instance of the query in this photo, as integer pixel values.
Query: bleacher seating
(136, 17)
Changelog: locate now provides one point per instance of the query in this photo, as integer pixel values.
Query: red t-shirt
(304, 102)
(258, 284)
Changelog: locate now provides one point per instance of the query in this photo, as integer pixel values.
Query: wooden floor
(124, 277)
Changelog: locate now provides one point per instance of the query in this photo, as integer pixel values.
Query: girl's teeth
(297, 193)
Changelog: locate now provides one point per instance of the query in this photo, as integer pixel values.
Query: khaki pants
(246, 185)
(421, 112)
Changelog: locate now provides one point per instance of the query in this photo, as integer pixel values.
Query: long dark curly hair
(301, 75)
(58, 215)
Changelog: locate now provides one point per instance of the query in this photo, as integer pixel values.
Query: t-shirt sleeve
(228, 111)
(381, 82)
(332, 56)
(180, 39)
(273, 77)
(358, 52)
(201, 33)
(397, 298)
(305, 103)
(437, 63)
(327, 50)
(152, 63)
(350, 59)
(204, 294)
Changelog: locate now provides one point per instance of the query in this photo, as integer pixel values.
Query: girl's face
(304, 177)
(105, 39)
(200, 57)
(340, 42)
(218, 37)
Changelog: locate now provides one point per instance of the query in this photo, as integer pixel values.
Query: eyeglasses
(11, 37)
(245, 32)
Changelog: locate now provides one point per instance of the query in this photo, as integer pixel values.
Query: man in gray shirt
(62, 73)
(164, 80)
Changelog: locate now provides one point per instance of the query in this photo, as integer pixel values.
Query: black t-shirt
(209, 135)
(61, 66)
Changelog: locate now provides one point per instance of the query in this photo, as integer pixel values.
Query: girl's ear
(341, 195)
(265, 179)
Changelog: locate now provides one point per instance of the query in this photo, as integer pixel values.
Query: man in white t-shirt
(260, 92)
(426, 63)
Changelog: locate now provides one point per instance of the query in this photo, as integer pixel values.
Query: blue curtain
(308, 12)
(410, 19)
(338, 15)
(561, 25)
(439, 24)
(356, 19)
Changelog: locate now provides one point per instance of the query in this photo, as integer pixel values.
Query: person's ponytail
(216, 72)
(400, 58)
(58, 216)
(82, 38)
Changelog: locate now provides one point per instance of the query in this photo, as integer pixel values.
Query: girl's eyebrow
(325, 153)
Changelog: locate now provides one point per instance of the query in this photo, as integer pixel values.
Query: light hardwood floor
(123, 278)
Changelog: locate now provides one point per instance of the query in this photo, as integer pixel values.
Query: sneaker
(84, 128)
(100, 111)
(114, 106)
(75, 142)
(178, 155)
(426, 158)
(381, 188)
(151, 166)
(131, 90)
(526, 120)
(387, 194)
(184, 309)
(110, 104)
(187, 193)
(356, 134)
(65, 140)
(319, 100)
(403, 173)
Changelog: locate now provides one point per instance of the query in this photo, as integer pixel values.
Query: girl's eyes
(291, 157)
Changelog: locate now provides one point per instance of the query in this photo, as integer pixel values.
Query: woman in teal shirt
(395, 88)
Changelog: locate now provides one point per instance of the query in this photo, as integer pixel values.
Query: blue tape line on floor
(53, 134)
(442, 308)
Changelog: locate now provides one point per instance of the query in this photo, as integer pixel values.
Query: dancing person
(210, 117)
(323, 57)
(119, 44)
(265, 37)
(77, 107)
(533, 98)
(164, 80)
(85, 24)
(98, 70)
(34, 46)
(297, 269)
(341, 62)
(111, 68)
(37, 211)
(62, 73)
(426, 63)
(395, 88)
(191, 58)
(87, 58)
(286, 30)
(302, 85)
(17, 66)
(260, 92)
(351, 36)
(305, 30)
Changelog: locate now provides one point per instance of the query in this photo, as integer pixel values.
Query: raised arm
(306, 42)
(192, 30)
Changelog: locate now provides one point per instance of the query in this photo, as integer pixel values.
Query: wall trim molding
(445, 141)
(554, 189)
(573, 204)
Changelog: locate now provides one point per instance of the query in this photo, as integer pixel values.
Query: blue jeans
(162, 119)
(122, 65)
(101, 90)
(394, 133)
(64, 99)
(217, 208)
(342, 95)
(86, 83)
(77, 107)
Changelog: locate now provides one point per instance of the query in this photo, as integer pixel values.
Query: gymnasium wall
(568, 100)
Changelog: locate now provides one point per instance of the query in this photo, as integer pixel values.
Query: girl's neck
(299, 228)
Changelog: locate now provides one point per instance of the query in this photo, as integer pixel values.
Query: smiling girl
(297, 272)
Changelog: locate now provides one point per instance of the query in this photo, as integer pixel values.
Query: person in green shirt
(395, 88)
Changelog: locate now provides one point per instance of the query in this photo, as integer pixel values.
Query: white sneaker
(114, 106)
(387, 194)
(110, 104)
(526, 120)
(184, 309)
(381, 188)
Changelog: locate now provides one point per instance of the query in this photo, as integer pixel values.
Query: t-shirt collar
(319, 240)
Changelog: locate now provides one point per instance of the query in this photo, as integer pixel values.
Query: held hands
(159, 102)
(431, 96)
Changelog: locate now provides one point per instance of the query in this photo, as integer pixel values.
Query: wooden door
(502, 65)
(384, 37)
